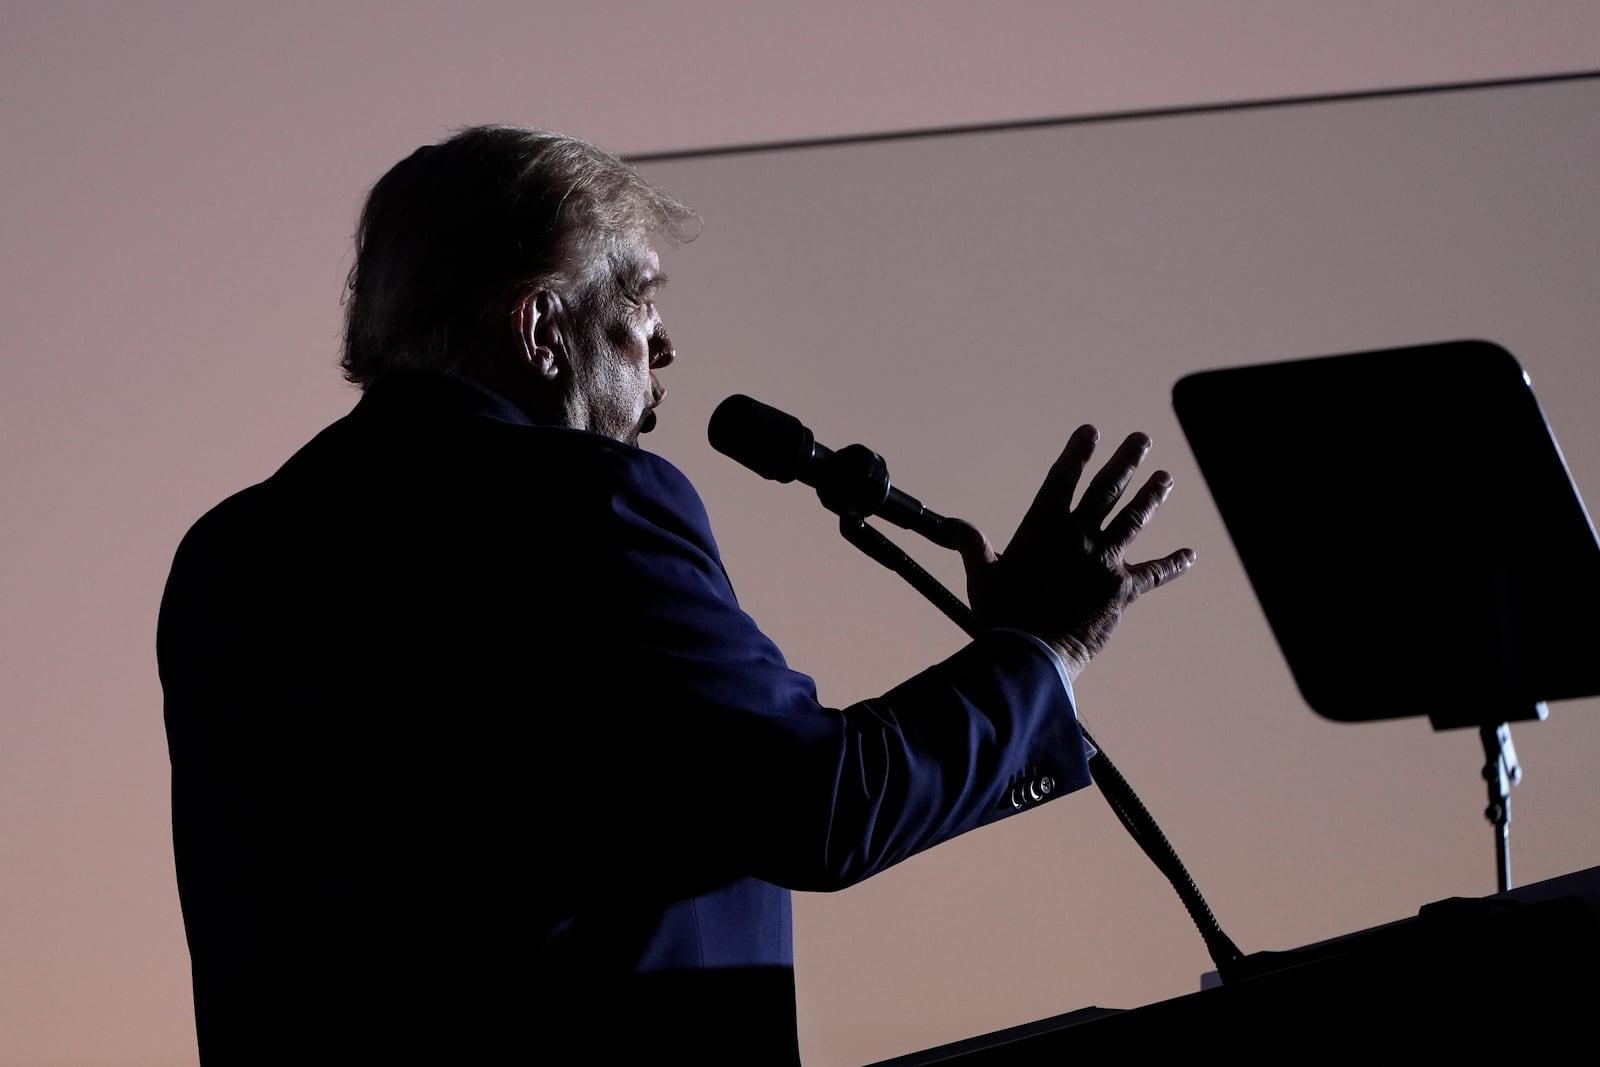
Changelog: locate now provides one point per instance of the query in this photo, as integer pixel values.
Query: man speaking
(474, 754)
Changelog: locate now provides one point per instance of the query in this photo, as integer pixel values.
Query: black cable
(1124, 802)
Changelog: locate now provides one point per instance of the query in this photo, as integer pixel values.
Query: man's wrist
(1089, 750)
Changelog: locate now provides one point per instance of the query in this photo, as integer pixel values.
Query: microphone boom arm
(1124, 802)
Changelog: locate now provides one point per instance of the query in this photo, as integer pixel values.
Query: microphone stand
(1130, 811)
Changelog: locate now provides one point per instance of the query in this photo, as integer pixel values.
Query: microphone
(852, 481)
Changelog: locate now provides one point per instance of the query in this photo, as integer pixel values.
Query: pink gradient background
(180, 182)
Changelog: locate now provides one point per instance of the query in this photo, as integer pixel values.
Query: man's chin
(646, 424)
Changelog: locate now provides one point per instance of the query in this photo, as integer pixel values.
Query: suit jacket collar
(426, 393)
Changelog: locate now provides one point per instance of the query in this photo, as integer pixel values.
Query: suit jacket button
(1047, 785)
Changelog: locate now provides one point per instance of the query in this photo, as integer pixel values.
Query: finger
(1158, 572)
(1107, 486)
(1053, 502)
(1136, 513)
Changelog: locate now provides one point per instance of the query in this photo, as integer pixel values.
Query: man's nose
(661, 352)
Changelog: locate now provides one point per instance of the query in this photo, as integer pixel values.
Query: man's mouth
(647, 421)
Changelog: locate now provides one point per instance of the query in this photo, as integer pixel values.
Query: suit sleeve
(744, 773)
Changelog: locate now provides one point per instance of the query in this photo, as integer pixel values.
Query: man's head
(520, 258)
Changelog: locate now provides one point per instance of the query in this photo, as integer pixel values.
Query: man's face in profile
(621, 344)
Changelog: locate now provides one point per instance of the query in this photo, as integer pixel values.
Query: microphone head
(772, 443)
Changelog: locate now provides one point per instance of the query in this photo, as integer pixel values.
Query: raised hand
(1064, 578)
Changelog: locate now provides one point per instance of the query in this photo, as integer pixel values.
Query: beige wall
(179, 185)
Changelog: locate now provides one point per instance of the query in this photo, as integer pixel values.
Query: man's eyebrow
(639, 281)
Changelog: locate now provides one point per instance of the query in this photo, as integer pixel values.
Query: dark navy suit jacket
(473, 749)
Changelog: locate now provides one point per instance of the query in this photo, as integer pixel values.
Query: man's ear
(538, 317)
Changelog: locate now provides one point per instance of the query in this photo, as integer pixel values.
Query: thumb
(967, 539)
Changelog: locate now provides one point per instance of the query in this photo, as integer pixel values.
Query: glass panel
(959, 303)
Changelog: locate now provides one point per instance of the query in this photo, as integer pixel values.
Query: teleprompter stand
(1500, 772)
(1403, 516)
